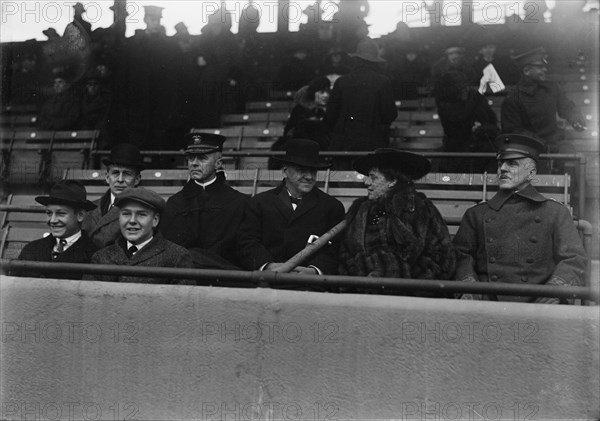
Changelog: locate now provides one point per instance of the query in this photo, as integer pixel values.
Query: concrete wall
(90, 350)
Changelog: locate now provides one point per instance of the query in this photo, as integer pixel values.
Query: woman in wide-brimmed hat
(395, 231)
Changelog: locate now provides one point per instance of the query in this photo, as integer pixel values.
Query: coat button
(490, 240)
(537, 219)
(530, 260)
(533, 239)
(493, 278)
(492, 260)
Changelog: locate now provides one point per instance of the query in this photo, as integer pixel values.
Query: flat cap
(519, 145)
(144, 196)
(200, 143)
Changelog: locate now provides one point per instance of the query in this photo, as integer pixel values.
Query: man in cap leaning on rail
(140, 243)
(519, 236)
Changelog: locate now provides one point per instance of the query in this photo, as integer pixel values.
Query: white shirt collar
(141, 245)
(204, 185)
(70, 240)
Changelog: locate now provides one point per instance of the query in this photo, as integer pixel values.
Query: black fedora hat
(126, 155)
(411, 164)
(67, 192)
(304, 153)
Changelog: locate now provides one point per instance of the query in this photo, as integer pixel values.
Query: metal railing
(265, 279)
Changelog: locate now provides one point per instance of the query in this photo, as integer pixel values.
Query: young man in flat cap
(535, 101)
(205, 215)
(141, 244)
(123, 171)
(280, 222)
(67, 243)
(519, 236)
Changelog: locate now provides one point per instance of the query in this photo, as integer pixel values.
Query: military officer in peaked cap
(519, 236)
(535, 101)
(205, 215)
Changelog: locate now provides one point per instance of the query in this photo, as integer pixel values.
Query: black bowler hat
(202, 143)
(67, 192)
(534, 57)
(304, 153)
(519, 145)
(126, 155)
(141, 195)
(411, 164)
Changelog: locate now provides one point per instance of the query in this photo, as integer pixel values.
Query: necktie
(296, 201)
(131, 250)
(60, 247)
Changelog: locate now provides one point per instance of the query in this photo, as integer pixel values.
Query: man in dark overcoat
(361, 107)
(123, 171)
(140, 243)
(519, 236)
(280, 222)
(67, 243)
(205, 215)
(534, 102)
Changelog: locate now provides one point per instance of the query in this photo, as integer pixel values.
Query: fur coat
(401, 236)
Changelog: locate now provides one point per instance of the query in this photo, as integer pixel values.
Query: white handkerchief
(491, 78)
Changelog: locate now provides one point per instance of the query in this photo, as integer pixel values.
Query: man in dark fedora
(535, 101)
(123, 170)
(205, 215)
(140, 243)
(361, 107)
(519, 236)
(67, 243)
(280, 222)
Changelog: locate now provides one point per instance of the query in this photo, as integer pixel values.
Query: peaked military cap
(153, 11)
(531, 57)
(200, 143)
(519, 145)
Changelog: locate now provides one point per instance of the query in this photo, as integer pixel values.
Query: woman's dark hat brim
(48, 200)
(411, 164)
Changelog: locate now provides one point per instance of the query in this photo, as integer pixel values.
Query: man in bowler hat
(140, 243)
(205, 215)
(280, 222)
(535, 101)
(519, 236)
(67, 243)
(123, 170)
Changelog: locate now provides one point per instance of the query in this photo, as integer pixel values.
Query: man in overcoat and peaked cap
(67, 243)
(123, 170)
(278, 223)
(519, 236)
(205, 215)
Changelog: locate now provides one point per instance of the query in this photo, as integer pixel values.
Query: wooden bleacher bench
(31, 155)
(269, 106)
(418, 117)
(418, 138)
(452, 194)
(421, 104)
(258, 119)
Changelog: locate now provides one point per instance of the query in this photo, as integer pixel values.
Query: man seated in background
(519, 236)
(205, 215)
(67, 243)
(140, 243)
(123, 170)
